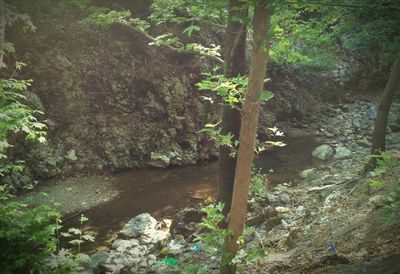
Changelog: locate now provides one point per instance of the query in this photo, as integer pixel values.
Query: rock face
(323, 152)
(113, 101)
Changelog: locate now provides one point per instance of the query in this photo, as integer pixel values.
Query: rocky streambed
(329, 220)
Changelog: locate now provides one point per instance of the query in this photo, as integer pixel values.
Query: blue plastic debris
(332, 248)
(196, 247)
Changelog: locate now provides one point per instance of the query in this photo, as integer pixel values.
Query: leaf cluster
(26, 235)
(258, 187)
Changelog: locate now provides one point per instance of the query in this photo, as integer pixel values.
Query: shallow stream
(162, 192)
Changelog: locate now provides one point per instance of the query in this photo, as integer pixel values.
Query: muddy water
(163, 192)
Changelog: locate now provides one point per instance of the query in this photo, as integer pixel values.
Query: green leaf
(190, 29)
(75, 231)
(76, 242)
(66, 235)
(376, 183)
(266, 96)
(83, 219)
(89, 238)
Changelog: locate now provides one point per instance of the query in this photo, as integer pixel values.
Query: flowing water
(162, 192)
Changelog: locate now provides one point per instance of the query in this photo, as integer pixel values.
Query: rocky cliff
(113, 102)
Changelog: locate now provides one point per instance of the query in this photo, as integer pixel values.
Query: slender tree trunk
(2, 32)
(379, 133)
(234, 65)
(248, 131)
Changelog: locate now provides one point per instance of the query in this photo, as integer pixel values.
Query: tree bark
(2, 32)
(234, 65)
(248, 131)
(379, 133)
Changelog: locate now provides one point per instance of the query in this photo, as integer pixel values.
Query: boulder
(305, 173)
(141, 224)
(185, 221)
(159, 160)
(121, 245)
(342, 152)
(323, 152)
(97, 258)
(314, 176)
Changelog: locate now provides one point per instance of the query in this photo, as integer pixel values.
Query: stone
(139, 225)
(176, 246)
(372, 112)
(151, 259)
(143, 264)
(159, 160)
(331, 259)
(342, 152)
(134, 242)
(135, 252)
(364, 143)
(278, 198)
(323, 152)
(153, 236)
(71, 155)
(111, 268)
(362, 254)
(185, 222)
(306, 172)
(356, 122)
(34, 101)
(311, 175)
(376, 201)
(83, 259)
(97, 258)
(121, 245)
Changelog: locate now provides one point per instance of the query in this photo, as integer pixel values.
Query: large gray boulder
(139, 225)
(323, 152)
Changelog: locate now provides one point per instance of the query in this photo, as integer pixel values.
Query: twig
(152, 39)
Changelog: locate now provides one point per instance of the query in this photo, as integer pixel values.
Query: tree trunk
(248, 131)
(2, 32)
(379, 133)
(234, 65)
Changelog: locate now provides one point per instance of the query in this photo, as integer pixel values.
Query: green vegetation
(258, 186)
(387, 166)
(391, 206)
(29, 236)
(213, 241)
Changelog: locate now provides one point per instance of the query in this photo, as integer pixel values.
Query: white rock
(121, 245)
(136, 252)
(323, 152)
(139, 225)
